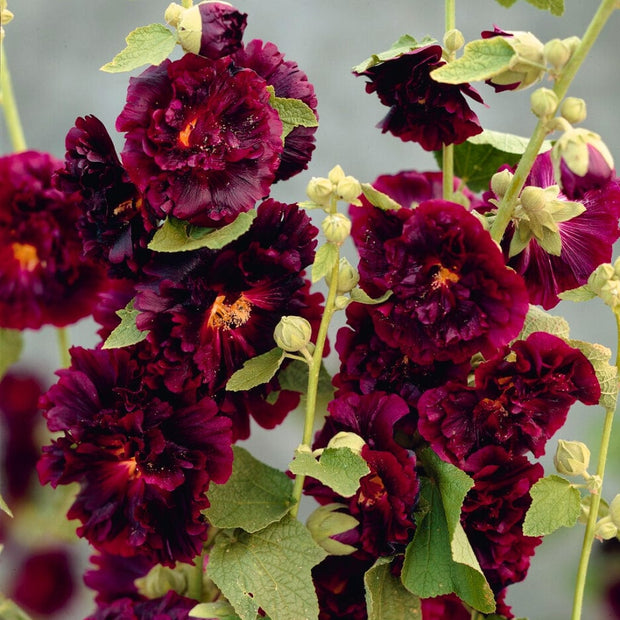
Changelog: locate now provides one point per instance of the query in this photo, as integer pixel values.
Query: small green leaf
(555, 504)
(338, 468)
(254, 496)
(11, 345)
(537, 320)
(293, 112)
(4, 507)
(581, 293)
(379, 199)
(179, 236)
(127, 332)
(294, 376)
(324, 261)
(269, 569)
(607, 375)
(555, 7)
(222, 610)
(361, 297)
(145, 45)
(506, 3)
(405, 44)
(481, 60)
(506, 142)
(256, 371)
(386, 597)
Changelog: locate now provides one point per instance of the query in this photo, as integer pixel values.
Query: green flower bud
(605, 529)
(533, 199)
(348, 276)
(345, 439)
(557, 53)
(341, 302)
(573, 109)
(336, 174)
(601, 276)
(320, 190)
(527, 64)
(572, 43)
(453, 41)
(500, 182)
(348, 189)
(337, 227)
(326, 522)
(572, 458)
(160, 579)
(292, 333)
(544, 102)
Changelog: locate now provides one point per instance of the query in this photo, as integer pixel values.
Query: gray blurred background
(54, 50)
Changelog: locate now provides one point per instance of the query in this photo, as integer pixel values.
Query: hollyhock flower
(143, 460)
(452, 297)
(202, 142)
(114, 225)
(443, 607)
(43, 276)
(169, 607)
(493, 514)
(289, 82)
(519, 400)
(421, 109)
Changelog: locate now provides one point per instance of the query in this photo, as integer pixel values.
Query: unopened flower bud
(601, 276)
(337, 227)
(336, 174)
(500, 182)
(557, 53)
(348, 276)
(320, 190)
(572, 43)
(341, 302)
(292, 333)
(160, 579)
(346, 439)
(572, 458)
(533, 198)
(173, 14)
(453, 40)
(605, 529)
(544, 102)
(614, 511)
(348, 189)
(325, 522)
(573, 109)
(210, 28)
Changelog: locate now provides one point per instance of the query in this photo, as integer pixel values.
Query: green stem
(448, 149)
(450, 10)
(504, 212)
(62, 334)
(194, 587)
(11, 113)
(588, 537)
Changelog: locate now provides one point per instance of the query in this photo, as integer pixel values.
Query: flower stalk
(448, 149)
(9, 105)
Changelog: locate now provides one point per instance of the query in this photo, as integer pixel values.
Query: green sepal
(4, 507)
(268, 569)
(150, 44)
(607, 375)
(254, 496)
(361, 297)
(177, 235)
(221, 609)
(537, 320)
(325, 260)
(11, 345)
(256, 371)
(379, 199)
(405, 44)
(386, 597)
(338, 468)
(555, 504)
(293, 112)
(126, 332)
(581, 293)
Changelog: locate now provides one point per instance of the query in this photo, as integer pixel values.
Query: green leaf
(481, 60)
(581, 293)
(537, 320)
(386, 597)
(254, 496)
(379, 199)
(555, 7)
(361, 297)
(294, 376)
(555, 504)
(145, 45)
(256, 371)
(506, 3)
(269, 569)
(293, 112)
(405, 44)
(338, 468)
(507, 142)
(126, 332)
(324, 261)
(11, 345)
(607, 375)
(10, 611)
(4, 507)
(179, 236)
(219, 609)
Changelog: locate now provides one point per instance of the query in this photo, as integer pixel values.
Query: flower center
(187, 130)
(227, 316)
(372, 490)
(26, 255)
(443, 276)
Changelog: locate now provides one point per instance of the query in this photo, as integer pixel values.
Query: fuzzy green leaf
(222, 610)
(11, 346)
(386, 597)
(506, 3)
(405, 44)
(379, 199)
(324, 261)
(607, 375)
(361, 297)
(555, 7)
(178, 236)
(506, 142)
(150, 44)
(555, 504)
(537, 320)
(269, 569)
(481, 60)
(254, 496)
(581, 293)
(295, 377)
(293, 112)
(256, 371)
(338, 468)
(126, 332)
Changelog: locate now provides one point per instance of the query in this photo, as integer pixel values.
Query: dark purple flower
(421, 109)
(519, 400)
(169, 607)
(43, 277)
(290, 82)
(202, 142)
(143, 460)
(444, 607)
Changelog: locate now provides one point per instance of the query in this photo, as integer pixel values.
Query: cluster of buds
(558, 52)
(605, 283)
(337, 186)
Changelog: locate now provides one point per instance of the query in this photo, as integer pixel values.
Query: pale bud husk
(574, 110)
(572, 149)
(326, 522)
(348, 189)
(572, 458)
(336, 174)
(557, 53)
(500, 182)
(605, 529)
(527, 65)
(346, 439)
(337, 227)
(320, 190)
(543, 102)
(614, 511)
(292, 333)
(160, 579)
(348, 276)
(453, 41)
(173, 14)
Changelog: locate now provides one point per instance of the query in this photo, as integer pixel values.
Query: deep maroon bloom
(444, 607)
(520, 399)
(202, 142)
(493, 514)
(43, 276)
(290, 82)
(421, 109)
(452, 297)
(143, 460)
(169, 607)
(114, 224)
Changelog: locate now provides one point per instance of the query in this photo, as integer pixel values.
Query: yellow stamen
(26, 255)
(227, 316)
(187, 130)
